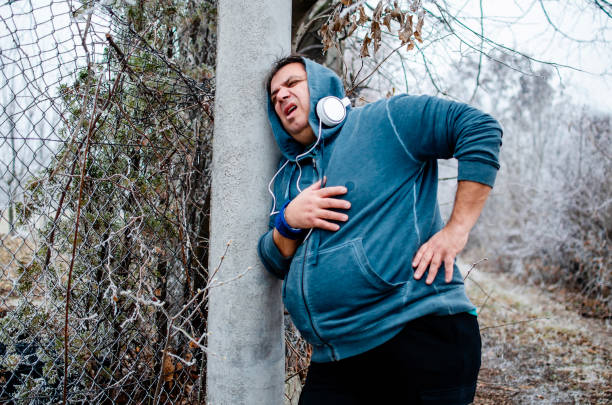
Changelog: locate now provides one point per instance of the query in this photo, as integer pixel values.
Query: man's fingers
(331, 191)
(335, 203)
(328, 226)
(423, 263)
(332, 215)
(417, 257)
(449, 267)
(438, 250)
(433, 269)
(314, 186)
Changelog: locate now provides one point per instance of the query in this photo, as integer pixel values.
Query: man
(356, 226)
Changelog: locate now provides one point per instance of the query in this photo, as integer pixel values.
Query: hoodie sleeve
(271, 257)
(433, 128)
(269, 254)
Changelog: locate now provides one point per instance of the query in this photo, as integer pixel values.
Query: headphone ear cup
(331, 111)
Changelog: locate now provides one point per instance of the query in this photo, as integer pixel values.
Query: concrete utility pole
(246, 359)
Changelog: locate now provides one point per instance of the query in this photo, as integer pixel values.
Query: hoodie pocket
(343, 292)
(293, 298)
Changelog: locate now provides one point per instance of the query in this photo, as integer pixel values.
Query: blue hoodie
(351, 290)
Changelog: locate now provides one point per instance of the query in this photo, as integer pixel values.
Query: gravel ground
(536, 348)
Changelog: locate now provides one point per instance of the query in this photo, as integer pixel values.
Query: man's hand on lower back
(442, 248)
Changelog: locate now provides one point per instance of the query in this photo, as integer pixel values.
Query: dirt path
(545, 354)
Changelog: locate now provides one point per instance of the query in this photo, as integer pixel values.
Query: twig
(312, 19)
(220, 283)
(182, 360)
(512, 323)
(169, 333)
(473, 267)
(429, 73)
(221, 260)
(480, 53)
(602, 8)
(484, 304)
(75, 132)
(404, 70)
(490, 41)
(557, 28)
(500, 386)
(350, 8)
(296, 373)
(90, 132)
(373, 70)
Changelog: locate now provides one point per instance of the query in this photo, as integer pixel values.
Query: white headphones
(331, 110)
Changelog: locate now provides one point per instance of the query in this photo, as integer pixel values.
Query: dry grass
(546, 353)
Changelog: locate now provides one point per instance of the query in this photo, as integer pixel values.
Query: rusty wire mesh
(105, 132)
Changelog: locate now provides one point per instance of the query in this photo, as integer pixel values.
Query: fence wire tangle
(105, 133)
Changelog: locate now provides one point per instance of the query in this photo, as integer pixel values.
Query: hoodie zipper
(333, 352)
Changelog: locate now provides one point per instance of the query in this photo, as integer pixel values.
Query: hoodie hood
(322, 82)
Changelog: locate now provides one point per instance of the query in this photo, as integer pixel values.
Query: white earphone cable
(273, 212)
(306, 153)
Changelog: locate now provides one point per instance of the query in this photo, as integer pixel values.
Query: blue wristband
(284, 228)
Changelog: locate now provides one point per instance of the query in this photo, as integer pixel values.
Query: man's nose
(283, 93)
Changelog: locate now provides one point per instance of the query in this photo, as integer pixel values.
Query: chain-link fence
(105, 134)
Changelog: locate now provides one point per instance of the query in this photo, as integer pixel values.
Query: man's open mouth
(289, 109)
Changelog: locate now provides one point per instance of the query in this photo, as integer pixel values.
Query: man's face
(291, 100)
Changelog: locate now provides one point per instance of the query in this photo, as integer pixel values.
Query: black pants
(433, 360)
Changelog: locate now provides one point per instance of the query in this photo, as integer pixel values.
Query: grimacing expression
(291, 100)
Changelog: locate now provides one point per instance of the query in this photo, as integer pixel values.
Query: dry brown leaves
(346, 18)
